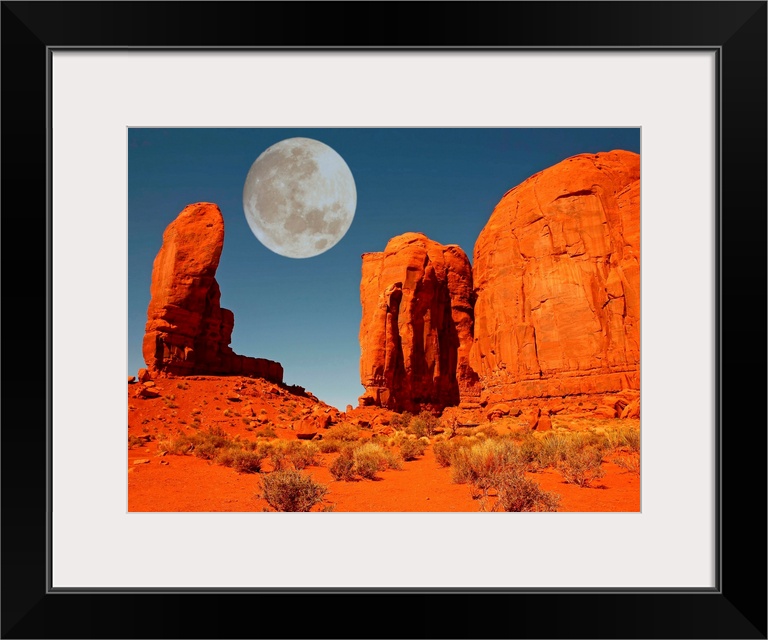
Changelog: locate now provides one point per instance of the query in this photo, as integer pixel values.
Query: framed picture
(690, 76)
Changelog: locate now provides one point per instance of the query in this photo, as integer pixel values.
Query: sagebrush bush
(518, 493)
(176, 446)
(369, 458)
(302, 454)
(343, 467)
(344, 432)
(631, 463)
(553, 448)
(412, 449)
(630, 438)
(401, 421)
(241, 460)
(476, 464)
(327, 445)
(582, 466)
(290, 490)
(278, 455)
(424, 424)
(443, 452)
(363, 460)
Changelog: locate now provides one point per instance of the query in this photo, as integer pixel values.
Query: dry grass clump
(343, 467)
(342, 431)
(625, 438)
(364, 460)
(518, 493)
(582, 466)
(241, 460)
(443, 451)
(630, 462)
(412, 449)
(291, 490)
(291, 454)
(330, 446)
(476, 464)
(424, 424)
(488, 464)
(213, 444)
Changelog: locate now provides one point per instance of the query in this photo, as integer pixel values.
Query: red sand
(187, 483)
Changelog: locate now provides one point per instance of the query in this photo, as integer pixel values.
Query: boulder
(498, 411)
(544, 423)
(632, 410)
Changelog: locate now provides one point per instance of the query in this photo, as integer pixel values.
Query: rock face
(187, 331)
(416, 329)
(557, 279)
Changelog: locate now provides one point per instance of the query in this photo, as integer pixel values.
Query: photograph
(384, 319)
(383, 272)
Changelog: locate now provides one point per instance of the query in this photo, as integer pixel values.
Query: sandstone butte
(551, 308)
(187, 331)
(416, 328)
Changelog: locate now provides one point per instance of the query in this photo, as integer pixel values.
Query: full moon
(299, 198)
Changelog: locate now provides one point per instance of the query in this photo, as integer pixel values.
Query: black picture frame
(736, 608)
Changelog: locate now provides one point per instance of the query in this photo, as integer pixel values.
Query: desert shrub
(394, 460)
(267, 432)
(631, 463)
(330, 445)
(412, 449)
(424, 424)
(250, 445)
(344, 432)
(135, 441)
(178, 446)
(290, 490)
(240, 460)
(518, 493)
(364, 460)
(206, 451)
(369, 458)
(278, 455)
(630, 437)
(402, 421)
(488, 430)
(477, 464)
(302, 454)
(343, 467)
(182, 385)
(582, 466)
(443, 451)
(207, 444)
(553, 448)
(530, 451)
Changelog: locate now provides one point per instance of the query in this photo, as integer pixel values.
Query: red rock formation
(416, 329)
(187, 331)
(557, 278)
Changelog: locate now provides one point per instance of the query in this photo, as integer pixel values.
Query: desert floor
(258, 411)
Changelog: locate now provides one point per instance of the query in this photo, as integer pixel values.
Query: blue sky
(305, 313)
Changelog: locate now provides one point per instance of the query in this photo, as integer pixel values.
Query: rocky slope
(187, 331)
(416, 328)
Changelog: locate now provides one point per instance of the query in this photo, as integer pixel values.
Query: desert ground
(207, 443)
